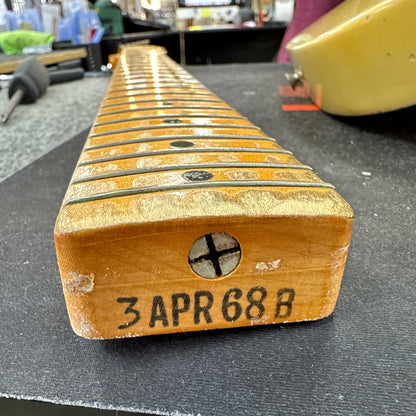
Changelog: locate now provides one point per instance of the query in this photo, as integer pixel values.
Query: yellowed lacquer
(182, 215)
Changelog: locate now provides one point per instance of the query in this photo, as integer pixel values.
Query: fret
(156, 86)
(182, 151)
(172, 107)
(127, 81)
(168, 168)
(168, 116)
(175, 126)
(182, 137)
(162, 101)
(157, 91)
(171, 188)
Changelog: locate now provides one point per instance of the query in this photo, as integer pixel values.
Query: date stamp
(202, 307)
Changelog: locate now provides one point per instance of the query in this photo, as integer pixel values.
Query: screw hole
(214, 255)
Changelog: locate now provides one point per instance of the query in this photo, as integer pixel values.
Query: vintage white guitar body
(360, 58)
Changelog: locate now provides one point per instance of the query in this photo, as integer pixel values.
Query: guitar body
(182, 215)
(359, 58)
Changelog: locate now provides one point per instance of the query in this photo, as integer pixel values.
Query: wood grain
(168, 163)
(11, 63)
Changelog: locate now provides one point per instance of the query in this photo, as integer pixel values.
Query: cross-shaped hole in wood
(214, 255)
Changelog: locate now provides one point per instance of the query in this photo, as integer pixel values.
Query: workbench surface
(359, 361)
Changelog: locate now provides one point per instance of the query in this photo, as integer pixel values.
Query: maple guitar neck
(182, 215)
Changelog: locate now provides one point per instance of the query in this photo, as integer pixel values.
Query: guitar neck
(177, 194)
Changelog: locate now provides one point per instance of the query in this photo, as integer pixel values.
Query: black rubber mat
(359, 361)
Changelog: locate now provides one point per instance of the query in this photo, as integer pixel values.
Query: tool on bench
(30, 81)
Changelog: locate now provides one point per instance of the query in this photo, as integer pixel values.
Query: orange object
(182, 215)
(113, 59)
(300, 107)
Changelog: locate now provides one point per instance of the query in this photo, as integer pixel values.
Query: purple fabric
(306, 12)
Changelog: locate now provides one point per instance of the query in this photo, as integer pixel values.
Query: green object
(14, 41)
(110, 16)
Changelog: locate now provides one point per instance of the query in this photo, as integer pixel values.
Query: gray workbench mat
(359, 361)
